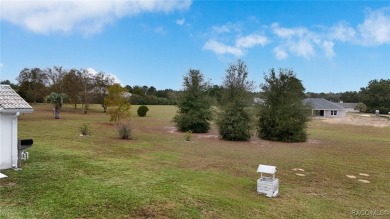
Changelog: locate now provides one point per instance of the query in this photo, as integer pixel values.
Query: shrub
(234, 123)
(84, 129)
(142, 110)
(188, 135)
(361, 107)
(125, 131)
(193, 120)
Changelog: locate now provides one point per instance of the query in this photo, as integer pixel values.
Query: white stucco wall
(8, 141)
(340, 113)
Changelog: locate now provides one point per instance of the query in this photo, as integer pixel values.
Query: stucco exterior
(324, 108)
(11, 105)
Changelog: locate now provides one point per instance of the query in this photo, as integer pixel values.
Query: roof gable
(10, 101)
(322, 104)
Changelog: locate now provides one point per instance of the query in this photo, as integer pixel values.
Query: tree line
(83, 87)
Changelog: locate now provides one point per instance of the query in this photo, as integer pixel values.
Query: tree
(87, 83)
(350, 97)
(72, 86)
(32, 84)
(13, 86)
(376, 95)
(283, 116)
(118, 103)
(57, 99)
(55, 77)
(234, 119)
(194, 113)
(102, 81)
(361, 107)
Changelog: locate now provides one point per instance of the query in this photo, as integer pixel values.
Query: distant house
(11, 105)
(349, 107)
(324, 108)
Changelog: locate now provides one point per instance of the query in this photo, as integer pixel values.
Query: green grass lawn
(160, 175)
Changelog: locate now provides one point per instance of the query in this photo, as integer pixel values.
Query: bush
(84, 129)
(193, 120)
(142, 110)
(286, 124)
(361, 107)
(234, 123)
(125, 131)
(188, 135)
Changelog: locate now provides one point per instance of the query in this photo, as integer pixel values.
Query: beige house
(324, 108)
(11, 105)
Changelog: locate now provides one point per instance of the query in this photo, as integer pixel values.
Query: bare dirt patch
(361, 120)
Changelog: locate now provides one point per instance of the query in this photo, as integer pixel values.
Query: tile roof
(322, 104)
(11, 101)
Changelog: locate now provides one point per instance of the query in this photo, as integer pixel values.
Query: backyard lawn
(160, 175)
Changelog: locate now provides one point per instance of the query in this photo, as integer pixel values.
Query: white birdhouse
(268, 185)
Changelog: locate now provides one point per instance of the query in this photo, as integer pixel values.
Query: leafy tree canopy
(194, 105)
(283, 116)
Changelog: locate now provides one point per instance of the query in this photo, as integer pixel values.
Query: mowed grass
(160, 175)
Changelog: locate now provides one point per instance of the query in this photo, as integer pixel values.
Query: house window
(333, 112)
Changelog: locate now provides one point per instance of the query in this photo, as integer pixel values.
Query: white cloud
(241, 43)
(221, 49)
(328, 48)
(251, 41)
(159, 29)
(86, 16)
(280, 53)
(298, 40)
(341, 32)
(180, 22)
(227, 28)
(375, 30)
(1, 65)
(92, 71)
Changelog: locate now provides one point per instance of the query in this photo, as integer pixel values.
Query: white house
(324, 108)
(11, 105)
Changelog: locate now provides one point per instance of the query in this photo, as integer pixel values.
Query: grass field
(160, 175)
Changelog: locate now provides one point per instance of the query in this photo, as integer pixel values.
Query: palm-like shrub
(57, 100)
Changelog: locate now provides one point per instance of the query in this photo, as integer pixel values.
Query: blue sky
(332, 46)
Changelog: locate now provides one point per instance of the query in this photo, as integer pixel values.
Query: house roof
(348, 105)
(10, 101)
(322, 104)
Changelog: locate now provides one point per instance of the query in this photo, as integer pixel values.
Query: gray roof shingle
(11, 101)
(322, 104)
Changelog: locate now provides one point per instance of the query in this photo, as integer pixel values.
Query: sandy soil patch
(363, 120)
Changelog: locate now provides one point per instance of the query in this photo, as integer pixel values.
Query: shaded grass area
(160, 175)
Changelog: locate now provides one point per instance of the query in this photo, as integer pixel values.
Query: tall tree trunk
(57, 111)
